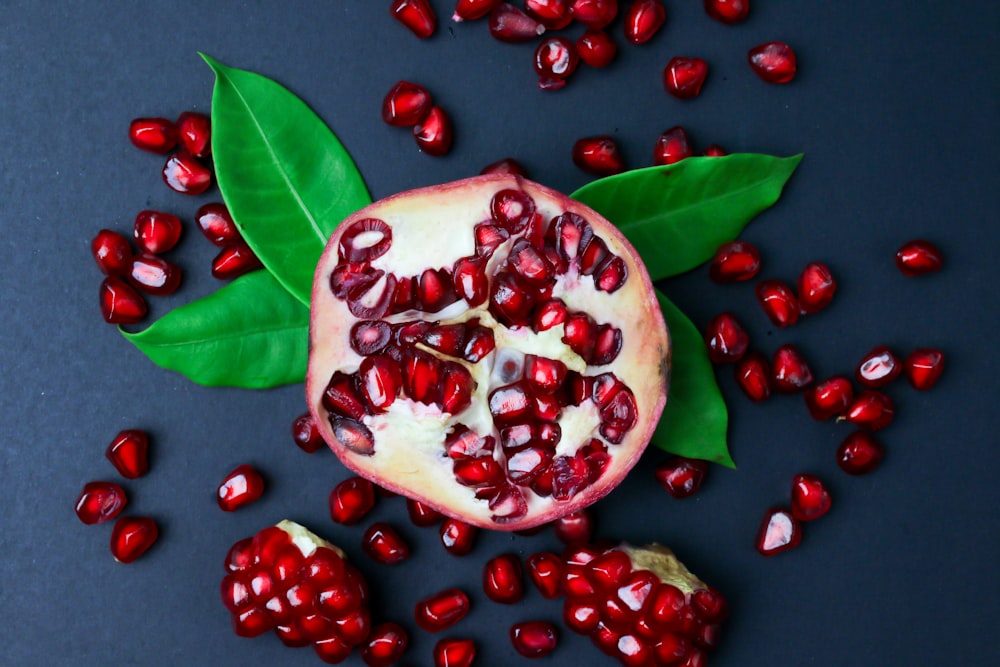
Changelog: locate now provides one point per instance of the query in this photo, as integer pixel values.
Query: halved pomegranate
(489, 347)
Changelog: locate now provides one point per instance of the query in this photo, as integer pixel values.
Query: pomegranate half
(488, 347)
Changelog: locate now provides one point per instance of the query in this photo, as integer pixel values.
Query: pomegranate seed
(120, 303)
(923, 368)
(726, 339)
(112, 253)
(596, 48)
(672, 146)
(157, 232)
(773, 62)
(546, 570)
(451, 652)
(509, 24)
(779, 531)
(727, 11)
(643, 19)
(234, 260)
(242, 486)
(184, 173)
(434, 133)
(810, 499)
(385, 645)
(128, 453)
(406, 104)
(878, 368)
(816, 288)
(555, 60)
(508, 165)
(871, 410)
(598, 155)
(458, 537)
(753, 375)
(100, 502)
(306, 435)
(442, 610)
(789, 370)
(594, 14)
(156, 135)
(715, 150)
(131, 537)
(417, 15)
(503, 581)
(217, 224)
(859, 453)
(351, 500)
(779, 302)
(472, 10)
(683, 77)
(554, 14)
(681, 476)
(422, 515)
(379, 379)
(734, 261)
(534, 639)
(382, 543)
(918, 257)
(195, 132)
(154, 275)
(829, 398)
(574, 528)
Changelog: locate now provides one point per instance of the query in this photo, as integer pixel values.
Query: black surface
(896, 109)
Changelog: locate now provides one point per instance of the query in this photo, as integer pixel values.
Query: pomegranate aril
(186, 174)
(156, 232)
(100, 502)
(131, 537)
(156, 135)
(581, 616)
(611, 274)
(727, 11)
(546, 571)
(859, 453)
(195, 133)
(306, 435)
(471, 283)
(457, 537)
(923, 368)
(435, 290)
(871, 410)
(789, 370)
(382, 543)
(534, 639)
(351, 500)
(918, 257)
(216, 223)
(683, 77)
(598, 155)
(452, 652)
(342, 397)
(442, 610)
(643, 19)
(715, 150)
(779, 531)
(406, 104)
(417, 15)
(434, 134)
(554, 14)
(480, 342)
(555, 60)
(370, 336)
(129, 453)
(385, 645)
(734, 261)
(472, 10)
(574, 528)
(810, 498)
(773, 62)
(596, 48)
(594, 14)
(242, 486)
(753, 375)
(512, 210)
(878, 368)
(120, 302)
(580, 333)
(779, 302)
(526, 260)
(379, 380)
(829, 398)
(479, 472)
(681, 476)
(509, 24)
(507, 165)
(607, 345)
(726, 339)
(364, 240)
(503, 580)
(672, 146)
(816, 287)
(421, 377)
(154, 275)
(422, 515)
(112, 253)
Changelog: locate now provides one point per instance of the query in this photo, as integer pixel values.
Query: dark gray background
(895, 107)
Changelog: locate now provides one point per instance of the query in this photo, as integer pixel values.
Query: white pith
(306, 540)
(662, 562)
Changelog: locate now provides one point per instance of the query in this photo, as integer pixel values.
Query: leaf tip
(214, 64)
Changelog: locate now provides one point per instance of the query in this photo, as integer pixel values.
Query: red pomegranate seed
(643, 19)
(773, 62)
(434, 134)
(242, 486)
(112, 253)
(594, 14)
(186, 174)
(871, 410)
(726, 339)
(442, 610)
(509, 24)
(131, 537)
(546, 570)
(672, 146)
(918, 257)
(878, 368)
(681, 476)
(859, 453)
(503, 580)
(154, 275)
(195, 132)
(574, 528)
(789, 370)
(555, 60)
(816, 288)
(753, 375)
(157, 232)
(596, 48)
(715, 150)
(779, 302)
(829, 398)
(120, 303)
(382, 543)
(457, 537)
(727, 11)
(508, 165)
(534, 639)
(234, 260)
(306, 435)
(598, 155)
(156, 135)
(385, 645)
(779, 531)
(554, 14)
(734, 261)
(683, 77)
(417, 15)
(472, 10)
(100, 502)
(217, 224)
(422, 515)
(924, 367)
(810, 499)
(128, 453)
(406, 104)
(379, 380)
(351, 500)
(453, 652)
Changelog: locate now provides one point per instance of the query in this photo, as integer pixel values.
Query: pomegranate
(235, 259)
(727, 11)
(816, 287)
(753, 375)
(871, 410)
(132, 536)
(129, 453)
(351, 500)
(859, 453)
(574, 528)
(596, 48)
(156, 135)
(216, 223)
(434, 134)
(779, 302)
(726, 339)
(546, 570)
(154, 275)
(555, 60)
(789, 371)
(594, 14)
(715, 150)
(509, 24)
(534, 639)
(457, 537)
(422, 515)
(156, 232)
(489, 348)
(810, 498)
(100, 502)
(454, 652)
(829, 398)
(554, 14)
(508, 165)
(417, 15)
(773, 62)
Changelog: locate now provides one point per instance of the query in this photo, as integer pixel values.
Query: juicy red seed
(871, 410)
(195, 133)
(186, 174)
(351, 250)
(242, 486)
(351, 500)
(923, 368)
(489, 237)
(471, 283)
(508, 165)
(810, 498)
(464, 443)
(132, 537)
(711, 604)
(508, 504)
(727, 11)
(417, 15)
(918, 257)
(472, 10)
(306, 435)
(609, 570)
(829, 398)
(479, 343)
(379, 380)
(594, 14)
(353, 435)
(878, 368)
(553, 14)
(421, 377)
(683, 77)
(779, 531)
(681, 476)
(129, 453)
(100, 502)
(670, 649)
(816, 287)
(434, 134)
(156, 135)
(422, 515)
(234, 260)
(451, 652)
(511, 299)
(546, 570)
(549, 314)
(789, 370)
(715, 150)
(526, 260)
(512, 210)
(509, 24)
(607, 345)
(534, 639)
(154, 275)
(774, 62)
(726, 339)
(672, 146)
(156, 232)
(435, 290)
(596, 48)
(580, 333)
(859, 453)
(332, 649)
(457, 537)
(385, 645)
(216, 223)
(503, 580)
(479, 472)
(779, 302)
(734, 261)
(574, 528)
(598, 155)
(120, 303)
(382, 543)
(643, 19)
(370, 336)
(457, 386)
(406, 104)
(610, 274)
(442, 610)
(556, 58)
(342, 398)
(753, 375)
(544, 374)
(581, 616)
(112, 253)
(667, 605)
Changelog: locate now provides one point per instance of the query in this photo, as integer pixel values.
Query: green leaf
(287, 180)
(678, 215)
(251, 333)
(695, 420)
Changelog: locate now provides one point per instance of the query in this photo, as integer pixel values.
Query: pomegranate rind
(409, 454)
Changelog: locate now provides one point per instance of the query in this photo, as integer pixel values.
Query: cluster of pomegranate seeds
(186, 171)
(410, 105)
(235, 257)
(241, 487)
(681, 476)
